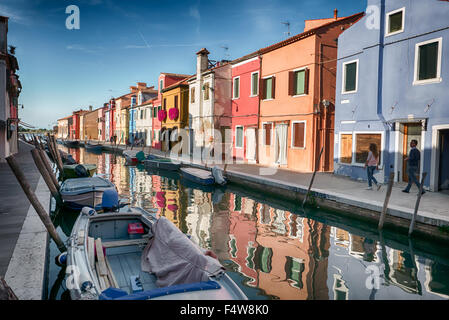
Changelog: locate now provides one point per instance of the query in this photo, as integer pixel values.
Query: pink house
(245, 106)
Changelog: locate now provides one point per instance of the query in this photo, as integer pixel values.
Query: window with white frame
(354, 146)
(350, 76)
(236, 88)
(428, 61)
(395, 22)
(299, 134)
(254, 84)
(269, 88)
(298, 82)
(239, 136)
(161, 84)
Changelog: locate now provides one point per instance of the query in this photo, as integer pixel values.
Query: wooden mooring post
(6, 292)
(43, 215)
(386, 201)
(49, 168)
(46, 175)
(58, 156)
(313, 177)
(418, 201)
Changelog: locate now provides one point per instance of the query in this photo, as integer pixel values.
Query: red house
(165, 80)
(74, 124)
(245, 106)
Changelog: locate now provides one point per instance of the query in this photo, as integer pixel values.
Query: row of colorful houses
(343, 83)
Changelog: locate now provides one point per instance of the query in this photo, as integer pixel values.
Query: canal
(271, 248)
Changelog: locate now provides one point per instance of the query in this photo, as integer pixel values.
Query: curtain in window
(281, 143)
(251, 144)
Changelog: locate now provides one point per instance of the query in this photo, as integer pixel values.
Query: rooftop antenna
(227, 55)
(287, 23)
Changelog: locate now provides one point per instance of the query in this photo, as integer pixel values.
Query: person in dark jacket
(413, 166)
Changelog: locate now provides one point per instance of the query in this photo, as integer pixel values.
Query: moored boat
(93, 147)
(162, 164)
(118, 256)
(79, 170)
(200, 176)
(81, 192)
(72, 143)
(133, 157)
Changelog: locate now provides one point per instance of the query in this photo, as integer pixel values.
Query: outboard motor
(218, 176)
(81, 171)
(70, 160)
(110, 202)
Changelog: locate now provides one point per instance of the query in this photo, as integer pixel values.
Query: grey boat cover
(175, 259)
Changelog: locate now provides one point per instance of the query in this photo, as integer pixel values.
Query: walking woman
(372, 164)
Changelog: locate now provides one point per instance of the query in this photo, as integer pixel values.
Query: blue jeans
(370, 170)
(411, 172)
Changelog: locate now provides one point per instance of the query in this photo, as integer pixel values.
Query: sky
(120, 43)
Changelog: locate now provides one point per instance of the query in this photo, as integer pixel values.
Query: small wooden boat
(133, 157)
(117, 256)
(93, 147)
(74, 171)
(163, 164)
(72, 143)
(200, 176)
(84, 192)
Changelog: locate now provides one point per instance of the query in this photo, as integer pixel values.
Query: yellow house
(124, 123)
(175, 104)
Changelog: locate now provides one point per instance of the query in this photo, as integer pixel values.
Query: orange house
(297, 97)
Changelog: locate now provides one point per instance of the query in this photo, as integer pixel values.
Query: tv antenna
(287, 23)
(227, 55)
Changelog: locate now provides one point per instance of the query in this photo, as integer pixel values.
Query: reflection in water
(272, 253)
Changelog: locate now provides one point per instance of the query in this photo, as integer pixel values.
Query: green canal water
(273, 249)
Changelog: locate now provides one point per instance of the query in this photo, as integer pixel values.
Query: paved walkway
(14, 204)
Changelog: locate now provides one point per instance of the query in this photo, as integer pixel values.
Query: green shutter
(428, 61)
(255, 84)
(268, 88)
(351, 77)
(300, 82)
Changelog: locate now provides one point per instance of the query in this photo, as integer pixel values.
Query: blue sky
(120, 43)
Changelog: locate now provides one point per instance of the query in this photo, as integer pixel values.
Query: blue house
(392, 87)
(132, 119)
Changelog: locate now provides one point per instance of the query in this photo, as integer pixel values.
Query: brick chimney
(141, 85)
(335, 14)
(201, 61)
(3, 34)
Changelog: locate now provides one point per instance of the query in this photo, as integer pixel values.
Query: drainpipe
(380, 88)
(258, 111)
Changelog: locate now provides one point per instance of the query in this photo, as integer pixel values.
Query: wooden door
(444, 161)
(412, 131)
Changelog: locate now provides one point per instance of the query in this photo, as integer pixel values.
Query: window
(350, 76)
(239, 137)
(192, 95)
(428, 61)
(268, 88)
(236, 88)
(395, 22)
(141, 114)
(298, 83)
(154, 112)
(299, 135)
(254, 84)
(161, 85)
(362, 142)
(346, 148)
(206, 91)
(176, 101)
(267, 127)
(165, 103)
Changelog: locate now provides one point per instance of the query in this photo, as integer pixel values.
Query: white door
(251, 144)
(281, 132)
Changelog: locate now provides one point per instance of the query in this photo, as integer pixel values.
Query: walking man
(413, 161)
